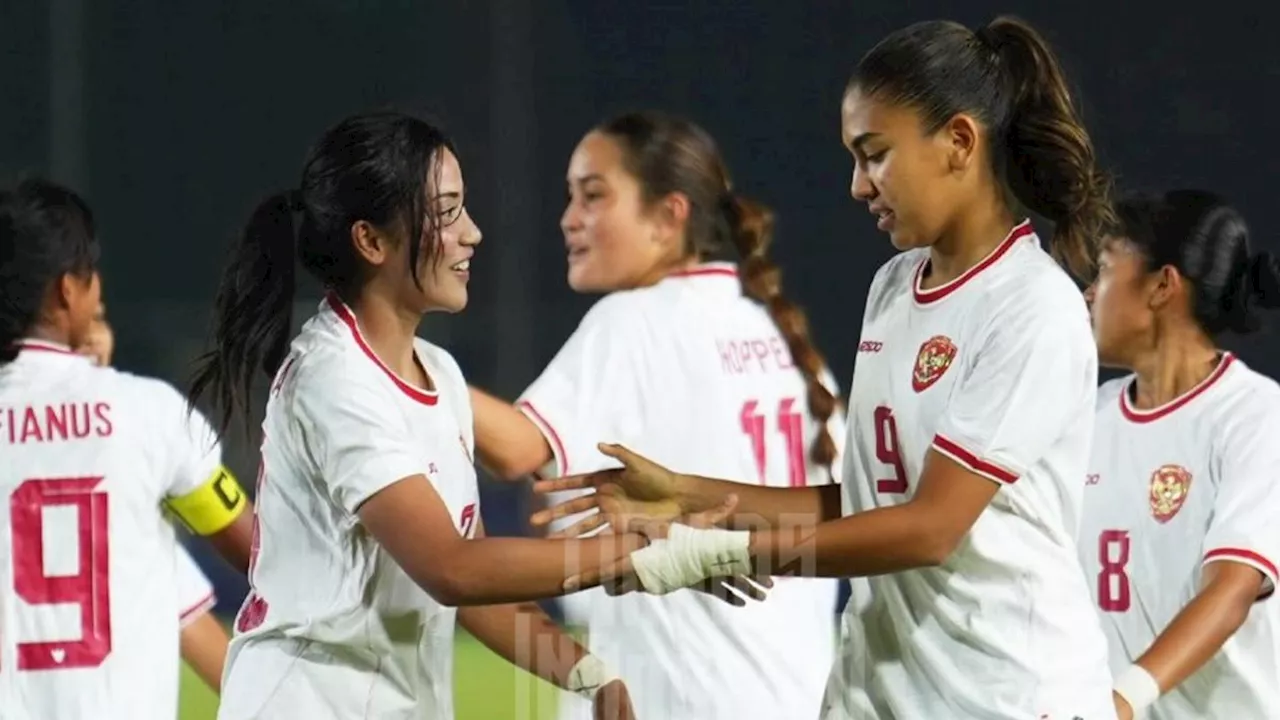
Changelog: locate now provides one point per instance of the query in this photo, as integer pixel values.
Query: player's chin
(448, 299)
(582, 278)
(905, 240)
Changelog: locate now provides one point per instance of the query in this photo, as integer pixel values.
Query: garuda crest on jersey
(932, 362)
(1169, 487)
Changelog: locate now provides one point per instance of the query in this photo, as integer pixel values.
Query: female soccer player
(367, 494)
(89, 590)
(1181, 504)
(202, 639)
(971, 408)
(701, 363)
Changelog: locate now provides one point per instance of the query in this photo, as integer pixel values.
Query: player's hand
(1123, 711)
(620, 576)
(612, 702)
(639, 490)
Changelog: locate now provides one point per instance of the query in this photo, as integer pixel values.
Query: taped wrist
(689, 555)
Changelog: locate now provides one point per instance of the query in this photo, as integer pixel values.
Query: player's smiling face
(1119, 303)
(912, 181)
(445, 277)
(613, 241)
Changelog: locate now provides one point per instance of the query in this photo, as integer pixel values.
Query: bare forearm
(204, 647)
(508, 444)
(764, 507)
(234, 542)
(1194, 636)
(874, 542)
(524, 636)
(491, 571)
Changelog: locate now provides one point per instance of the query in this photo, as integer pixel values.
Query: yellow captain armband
(213, 506)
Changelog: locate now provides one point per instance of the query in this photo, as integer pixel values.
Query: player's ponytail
(751, 231)
(252, 312)
(1046, 154)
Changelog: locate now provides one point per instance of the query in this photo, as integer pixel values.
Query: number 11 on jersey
(790, 426)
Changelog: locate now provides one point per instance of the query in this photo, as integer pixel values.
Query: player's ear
(1165, 287)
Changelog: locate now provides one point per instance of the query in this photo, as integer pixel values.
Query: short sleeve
(1033, 377)
(192, 451)
(591, 381)
(1244, 526)
(195, 593)
(352, 428)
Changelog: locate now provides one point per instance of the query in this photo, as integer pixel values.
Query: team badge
(1169, 486)
(935, 357)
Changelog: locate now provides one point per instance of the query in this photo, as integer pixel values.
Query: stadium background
(174, 116)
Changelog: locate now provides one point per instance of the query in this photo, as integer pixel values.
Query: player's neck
(966, 244)
(48, 333)
(389, 331)
(1173, 368)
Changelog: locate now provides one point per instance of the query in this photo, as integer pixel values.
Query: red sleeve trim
(972, 462)
(562, 460)
(1250, 558)
(205, 605)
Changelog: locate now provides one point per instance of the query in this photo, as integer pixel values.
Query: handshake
(682, 551)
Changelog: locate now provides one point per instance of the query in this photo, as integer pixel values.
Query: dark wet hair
(1006, 76)
(46, 232)
(374, 167)
(1207, 241)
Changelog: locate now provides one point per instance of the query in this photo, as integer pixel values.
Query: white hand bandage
(689, 556)
(589, 675)
(1138, 688)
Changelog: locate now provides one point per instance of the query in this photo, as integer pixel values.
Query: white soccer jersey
(195, 592)
(88, 627)
(1168, 490)
(333, 627)
(694, 375)
(996, 370)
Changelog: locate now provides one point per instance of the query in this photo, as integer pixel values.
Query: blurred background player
(86, 557)
(971, 407)
(696, 358)
(368, 545)
(1181, 504)
(203, 639)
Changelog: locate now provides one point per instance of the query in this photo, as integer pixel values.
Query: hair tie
(988, 38)
(729, 206)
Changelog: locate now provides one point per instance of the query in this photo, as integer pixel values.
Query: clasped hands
(685, 550)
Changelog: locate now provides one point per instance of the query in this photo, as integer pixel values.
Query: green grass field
(487, 688)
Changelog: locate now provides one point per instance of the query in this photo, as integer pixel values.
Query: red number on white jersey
(89, 588)
(467, 520)
(254, 610)
(790, 425)
(887, 452)
(1113, 582)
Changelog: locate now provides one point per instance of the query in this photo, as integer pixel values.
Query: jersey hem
(1250, 558)
(548, 432)
(186, 617)
(972, 462)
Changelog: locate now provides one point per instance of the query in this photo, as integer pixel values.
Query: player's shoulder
(1109, 393)
(439, 358)
(1247, 393)
(1031, 282)
(147, 391)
